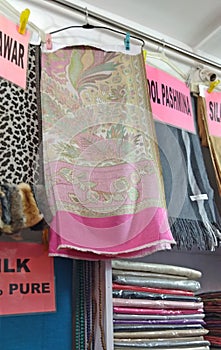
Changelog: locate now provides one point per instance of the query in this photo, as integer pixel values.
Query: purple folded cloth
(159, 347)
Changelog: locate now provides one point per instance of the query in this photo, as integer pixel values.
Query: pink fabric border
(134, 235)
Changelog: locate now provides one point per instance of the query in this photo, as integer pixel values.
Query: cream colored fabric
(156, 268)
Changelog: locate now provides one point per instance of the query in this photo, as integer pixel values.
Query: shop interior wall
(54, 331)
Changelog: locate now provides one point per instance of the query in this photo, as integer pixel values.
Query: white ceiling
(192, 24)
(188, 21)
(195, 23)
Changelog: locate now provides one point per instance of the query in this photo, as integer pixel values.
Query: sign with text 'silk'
(170, 99)
(213, 106)
(26, 279)
(13, 52)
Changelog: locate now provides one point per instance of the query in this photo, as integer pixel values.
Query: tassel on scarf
(5, 204)
(190, 234)
(30, 209)
(13, 209)
(18, 208)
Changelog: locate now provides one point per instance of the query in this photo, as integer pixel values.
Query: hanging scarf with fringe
(192, 212)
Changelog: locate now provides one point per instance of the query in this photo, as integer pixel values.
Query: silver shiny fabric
(156, 268)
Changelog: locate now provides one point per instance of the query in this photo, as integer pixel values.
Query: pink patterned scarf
(101, 162)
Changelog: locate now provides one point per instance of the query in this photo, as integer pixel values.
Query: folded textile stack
(155, 306)
(212, 306)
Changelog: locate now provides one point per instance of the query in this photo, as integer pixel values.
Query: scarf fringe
(190, 234)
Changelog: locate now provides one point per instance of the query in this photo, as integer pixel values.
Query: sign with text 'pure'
(26, 279)
(13, 52)
(170, 99)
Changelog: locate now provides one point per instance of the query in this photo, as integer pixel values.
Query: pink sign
(170, 99)
(13, 52)
(213, 106)
(26, 279)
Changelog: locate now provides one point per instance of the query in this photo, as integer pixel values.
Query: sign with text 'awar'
(26, 279)
(13, 52)
(170, 99)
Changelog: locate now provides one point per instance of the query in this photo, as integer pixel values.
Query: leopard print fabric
(20, 126)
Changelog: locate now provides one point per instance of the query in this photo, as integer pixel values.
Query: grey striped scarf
(192, 212)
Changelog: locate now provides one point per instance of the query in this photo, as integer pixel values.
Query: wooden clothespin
(23, 21)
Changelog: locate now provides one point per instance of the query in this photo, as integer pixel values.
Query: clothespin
(212, 85)
(48, 41)
(145, 55)
(127, 42)
(23, 21)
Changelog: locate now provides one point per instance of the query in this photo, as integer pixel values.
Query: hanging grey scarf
(190, 199)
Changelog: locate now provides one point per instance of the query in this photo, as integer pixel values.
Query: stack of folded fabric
(155, 306)
(212, 306)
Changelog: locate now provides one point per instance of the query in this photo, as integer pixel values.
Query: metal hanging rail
(138, 33)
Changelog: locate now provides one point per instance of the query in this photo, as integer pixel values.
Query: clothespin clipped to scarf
(127, 42)
(48, 41)
(212, 85)
(23, 21)
(145, 55)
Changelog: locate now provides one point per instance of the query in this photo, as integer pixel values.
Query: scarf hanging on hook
(20, 126)
(101, 160)
(21, 177)
(192, 212)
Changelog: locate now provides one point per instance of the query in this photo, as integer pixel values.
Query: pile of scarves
(22, 196)
(212, 308)
(155, 306)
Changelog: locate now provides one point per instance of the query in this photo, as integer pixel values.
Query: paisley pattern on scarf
(101, 159)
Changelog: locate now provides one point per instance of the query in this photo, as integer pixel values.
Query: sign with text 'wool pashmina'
(170, 99)
(13, 52)
(101, 163)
